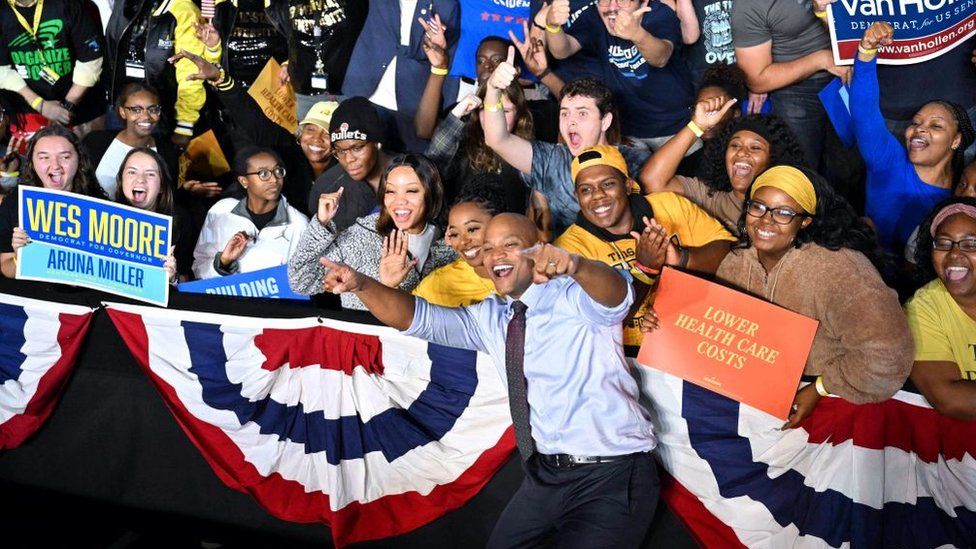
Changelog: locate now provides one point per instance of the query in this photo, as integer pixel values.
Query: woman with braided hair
(903, 183)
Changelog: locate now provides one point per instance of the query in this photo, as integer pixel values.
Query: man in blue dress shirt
(555, 335)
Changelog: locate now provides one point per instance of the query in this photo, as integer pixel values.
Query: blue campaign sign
(923, 28)
(272, 283)
(93, 243)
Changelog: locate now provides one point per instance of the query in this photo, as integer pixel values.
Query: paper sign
(728, 342)
(924, 29)
(277, 102)
(271, 283)
(94, 243)
(836, 100)
(203, 159)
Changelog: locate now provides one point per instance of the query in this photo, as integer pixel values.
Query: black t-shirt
(261, 220)
(714, 46)
(253, 41)
(340, 22)
(67, 32)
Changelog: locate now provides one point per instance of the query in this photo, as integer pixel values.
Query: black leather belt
(561, 461)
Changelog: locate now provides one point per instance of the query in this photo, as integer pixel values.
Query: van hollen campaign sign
(924, 29)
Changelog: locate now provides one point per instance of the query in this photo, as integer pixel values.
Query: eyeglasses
(153, 110)
(355, 150)
(781, 215)
(967, 245)
(264, 174)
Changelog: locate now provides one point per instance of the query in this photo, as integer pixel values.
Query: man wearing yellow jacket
(142, 35)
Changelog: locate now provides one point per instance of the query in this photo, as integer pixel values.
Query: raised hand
(878, 34)
(505, 72)
(19, 239)
(205, 69)
(340, 278)
(550, 262)
(435, 41)
(532, 50)
(207, 33)
(395, 263)
(628, 24)
(652, 244)
(821, 5)
(468, 104)
(234, 248)
(756, 101)
(328, 206)
(557, 13)
(709, 113)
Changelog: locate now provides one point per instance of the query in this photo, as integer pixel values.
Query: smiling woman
(399, 245)
(54, 161)
(804, 248)
(942, 314)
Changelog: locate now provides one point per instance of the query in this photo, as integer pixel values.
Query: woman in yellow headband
(802, 247)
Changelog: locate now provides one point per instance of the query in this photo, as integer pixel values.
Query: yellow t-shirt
(942, 330)
(675, 213)
(454, 285)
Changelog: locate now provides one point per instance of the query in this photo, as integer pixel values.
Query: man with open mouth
(554, 333)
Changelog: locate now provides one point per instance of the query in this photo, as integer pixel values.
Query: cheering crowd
(533, 203)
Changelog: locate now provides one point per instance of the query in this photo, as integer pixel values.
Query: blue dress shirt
(583, 399)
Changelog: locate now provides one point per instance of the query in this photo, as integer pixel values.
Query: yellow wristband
(495, 107)
(438, 71)
(866, 51)
(36, 103)
(821, 390)
(820, 14)
(553, 29)
(695, 129)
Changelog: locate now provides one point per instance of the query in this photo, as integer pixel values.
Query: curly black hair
(783, 149)
(487, 190)
(835, 225)
(84, 181)
(729, 78)
(924, 270)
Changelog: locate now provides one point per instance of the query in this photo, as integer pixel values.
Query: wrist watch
(68, 105)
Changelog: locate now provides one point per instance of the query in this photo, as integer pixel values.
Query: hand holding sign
(207, 33)
(20, 239)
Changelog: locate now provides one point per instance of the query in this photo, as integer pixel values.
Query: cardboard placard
(728, 342)
(277, 102)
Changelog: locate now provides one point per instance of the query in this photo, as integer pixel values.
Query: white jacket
(272, 247)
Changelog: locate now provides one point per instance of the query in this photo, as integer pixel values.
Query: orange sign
(277, 102)
(729, 342)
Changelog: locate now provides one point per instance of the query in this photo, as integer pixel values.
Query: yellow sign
(277, 102)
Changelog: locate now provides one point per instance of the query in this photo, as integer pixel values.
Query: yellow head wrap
(792, 182)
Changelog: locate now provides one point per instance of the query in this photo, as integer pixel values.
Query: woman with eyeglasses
(56, 160)
(400, 243)
(256, 232)
(802, 247)
(139, 110)
(942, 314)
